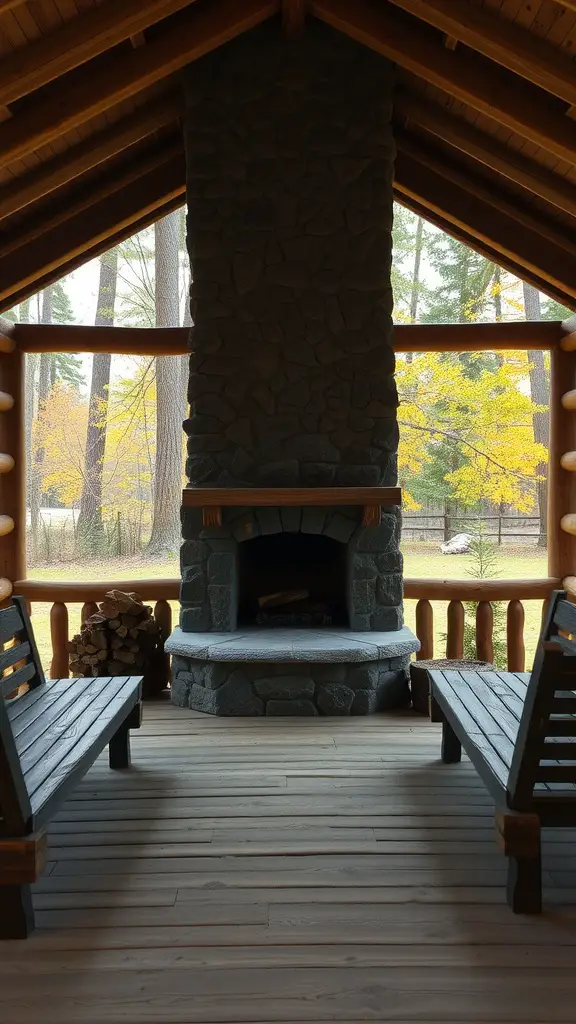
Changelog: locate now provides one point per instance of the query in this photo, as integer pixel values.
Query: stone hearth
(290, 671)
(289, 153)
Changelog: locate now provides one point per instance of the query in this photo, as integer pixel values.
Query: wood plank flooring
(288, 870)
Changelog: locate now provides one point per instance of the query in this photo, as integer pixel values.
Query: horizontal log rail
(424, 591)
(153, 341)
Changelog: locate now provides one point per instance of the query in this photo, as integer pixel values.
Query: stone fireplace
(291, 608)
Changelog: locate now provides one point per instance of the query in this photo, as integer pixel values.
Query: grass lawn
(422, 560)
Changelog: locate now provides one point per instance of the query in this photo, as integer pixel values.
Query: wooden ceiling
(91, 148)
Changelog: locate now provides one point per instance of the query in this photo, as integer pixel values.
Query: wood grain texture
(410, 919)
(511, 45)
(200, 497)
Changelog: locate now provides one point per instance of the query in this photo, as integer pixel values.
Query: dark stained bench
(49, 737)
(519, 731)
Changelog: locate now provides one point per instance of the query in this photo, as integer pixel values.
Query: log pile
(121, 638)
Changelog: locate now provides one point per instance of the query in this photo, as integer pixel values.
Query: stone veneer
(209, 556)
(289, 153)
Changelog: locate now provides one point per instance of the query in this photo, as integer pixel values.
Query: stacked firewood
(120, 637)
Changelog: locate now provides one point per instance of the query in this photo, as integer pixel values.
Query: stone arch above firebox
(212, 563)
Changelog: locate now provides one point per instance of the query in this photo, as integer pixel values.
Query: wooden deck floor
(287, 870)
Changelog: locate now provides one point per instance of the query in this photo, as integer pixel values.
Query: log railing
(456, 592)
(481, 593)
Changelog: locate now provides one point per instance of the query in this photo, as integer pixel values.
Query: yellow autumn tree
(480, 413)
(60, 433)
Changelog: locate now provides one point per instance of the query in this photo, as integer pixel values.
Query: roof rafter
(77, 41)
(109, 216)
(198, 31)
(89, 153)
(498, 95)
(510, 243)
(482, 190)
(502, 41)
(488, 150)
(57, 215)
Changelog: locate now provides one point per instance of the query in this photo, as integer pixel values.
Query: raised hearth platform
(290, 671)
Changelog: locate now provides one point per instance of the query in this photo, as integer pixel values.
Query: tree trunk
(165, 535)
(90, 523)
(497, 284)
(415, 288)
(35, 476)
(540, 394)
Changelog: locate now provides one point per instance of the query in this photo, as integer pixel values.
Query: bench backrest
(19, 665)
(545, 749)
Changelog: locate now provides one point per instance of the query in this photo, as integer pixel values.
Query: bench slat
(54, 745)
(72, 767)
(11, 623)
(35, 704)
(13, 654)
(18, 678)
(34, 744)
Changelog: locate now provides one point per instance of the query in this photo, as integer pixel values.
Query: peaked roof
(92, 150)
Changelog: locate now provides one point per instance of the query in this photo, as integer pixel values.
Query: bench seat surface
(59, 726)
(485, 709)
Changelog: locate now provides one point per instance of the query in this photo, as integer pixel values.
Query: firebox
(290, 605)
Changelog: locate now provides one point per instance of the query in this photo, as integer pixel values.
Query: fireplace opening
(292, 580)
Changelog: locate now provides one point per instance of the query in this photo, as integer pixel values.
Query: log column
(12, 462)
(562, 464)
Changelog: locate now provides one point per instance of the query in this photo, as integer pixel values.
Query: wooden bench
(519, 731)
(49, 736)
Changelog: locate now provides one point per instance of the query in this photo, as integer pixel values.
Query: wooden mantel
(212, 499)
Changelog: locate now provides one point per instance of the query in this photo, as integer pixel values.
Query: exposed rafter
(509, 243)
(496, 93)
(109, 238)
(500, 40)
(293, 17)
(110, 215)
(196, 32)
(36, 228)
(88, 154)
(8, 5)
(482, 190)
(80, 39)
(488, 150)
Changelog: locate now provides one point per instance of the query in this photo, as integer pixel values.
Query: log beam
(77, 41)
(37, 227)
(475, 220)
(502, 41)
(466, 209)
(89, 153)
(498, 94)
(485, 191)
(488, 150)
(197, 31)
(172, 341)
(293, 18)
(120, 211)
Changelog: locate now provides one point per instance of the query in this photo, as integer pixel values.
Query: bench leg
(451, 746)
(16, 912)
(119, 746)
(434, 710)
(520, 839)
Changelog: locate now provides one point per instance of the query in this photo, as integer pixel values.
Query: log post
(455, 635)
(88, 609)
(13, 463)
(561, 477)
(59, 634)
(425, 630)
(163, 616)
(484, 631)
(516, 654)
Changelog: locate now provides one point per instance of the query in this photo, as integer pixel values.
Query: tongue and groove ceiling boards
(91, 148)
